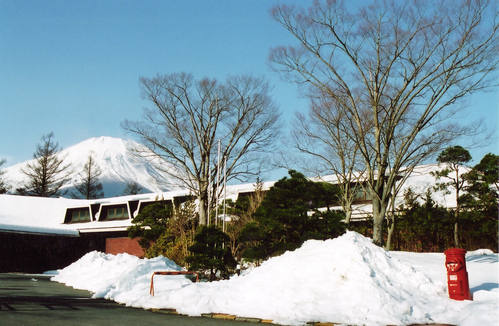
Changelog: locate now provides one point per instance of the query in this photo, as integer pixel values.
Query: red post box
(457, 276)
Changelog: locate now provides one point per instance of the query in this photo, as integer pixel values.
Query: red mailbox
(457, 276)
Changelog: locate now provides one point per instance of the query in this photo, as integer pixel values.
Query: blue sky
(72, 67)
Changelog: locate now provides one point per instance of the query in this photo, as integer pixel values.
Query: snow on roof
(39, 215)
(46, 215)
(419, 181)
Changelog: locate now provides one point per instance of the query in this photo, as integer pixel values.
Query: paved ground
(34, 300)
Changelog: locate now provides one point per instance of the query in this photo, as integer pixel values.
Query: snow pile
(345, 280)
(109, 275)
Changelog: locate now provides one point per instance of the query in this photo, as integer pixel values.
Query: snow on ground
(345, 280)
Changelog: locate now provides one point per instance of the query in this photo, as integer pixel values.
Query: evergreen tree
(132, 188)
(48, 173)
(425, 226)
(89, 187)
(480, 203)
(289, 215)
(151, 223)
(174, 243)
(211, 253)
(483, 178)
(240, 214)
(454, 158)
(4, 187)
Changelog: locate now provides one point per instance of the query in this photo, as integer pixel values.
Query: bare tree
(89, 186)
(48, 173)
(190, 117)
(325, 136)
(399, 70)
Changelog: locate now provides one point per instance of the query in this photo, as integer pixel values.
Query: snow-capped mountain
(119, 167)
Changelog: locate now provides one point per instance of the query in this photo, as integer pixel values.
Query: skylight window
(80, 216)
(117, 213)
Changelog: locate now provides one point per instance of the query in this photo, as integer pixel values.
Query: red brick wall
(123, 245)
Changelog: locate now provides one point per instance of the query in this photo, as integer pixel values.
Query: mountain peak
(119, 167)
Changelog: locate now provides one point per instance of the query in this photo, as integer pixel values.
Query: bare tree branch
(189, 117)
(398, 70)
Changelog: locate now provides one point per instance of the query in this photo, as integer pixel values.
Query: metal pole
(209, 197)
(218, 184)
(225, 189)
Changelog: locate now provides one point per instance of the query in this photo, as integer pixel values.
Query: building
(73, 227)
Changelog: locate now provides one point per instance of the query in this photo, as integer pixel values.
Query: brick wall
(123, 245)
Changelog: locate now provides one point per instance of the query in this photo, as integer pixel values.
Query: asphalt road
(35, 300)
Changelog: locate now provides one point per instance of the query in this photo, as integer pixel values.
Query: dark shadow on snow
(485, 286)
(486, 259)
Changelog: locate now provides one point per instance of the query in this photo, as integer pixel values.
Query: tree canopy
(89, 186)
(398, 71)
(151, 223)
(211, 253)
(4, 186)
(289, 215)
(189, 118)
(48, 172)
(482, 187)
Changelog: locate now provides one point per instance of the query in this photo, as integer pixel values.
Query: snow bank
(345, 280)
(111, 277)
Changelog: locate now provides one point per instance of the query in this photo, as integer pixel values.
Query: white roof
(26, 214)
(38, 215)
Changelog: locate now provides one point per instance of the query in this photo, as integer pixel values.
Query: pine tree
(483, 187)
(211, 253)
(89, 187)
(289, 215)
(48, 173)
(132, 188)
(479, 203)
(454, 157)
(4, 187)
(151, 223)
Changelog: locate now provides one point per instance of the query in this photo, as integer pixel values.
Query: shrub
(210, 253)
(289, 215)
(151, 223)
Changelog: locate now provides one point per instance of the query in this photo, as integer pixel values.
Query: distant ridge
(118, 167)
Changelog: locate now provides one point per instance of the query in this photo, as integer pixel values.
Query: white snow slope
(118, 167)
(345, 280)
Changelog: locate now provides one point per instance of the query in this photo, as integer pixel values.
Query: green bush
(164, 229)
(425, 227)
(289, 215)
(211, 254)
(151, 223)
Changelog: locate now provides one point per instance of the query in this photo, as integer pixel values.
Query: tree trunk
(391, 228)
(390, 220)
(379, 211)
(348, 216)
(458, 208)
(202, 210)
(203, 194)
